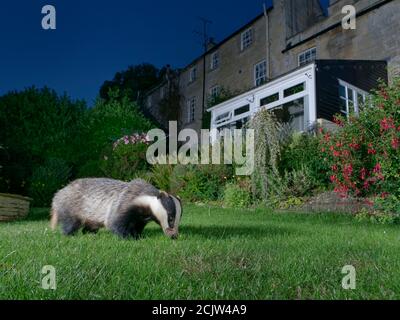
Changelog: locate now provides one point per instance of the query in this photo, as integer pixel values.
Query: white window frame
(355, 92)
(191, 107)
(214, 91)
(302, 58)
(193, 74)
(260, 76)
(246, 39)
(214, 61)
(306, 75)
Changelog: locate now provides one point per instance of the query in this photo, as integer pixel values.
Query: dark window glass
(242, 110)
(269, 99)
(293, 90)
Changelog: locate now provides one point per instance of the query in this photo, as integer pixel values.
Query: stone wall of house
(376, 38)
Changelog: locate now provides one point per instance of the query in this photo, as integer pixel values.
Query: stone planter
(13, 207)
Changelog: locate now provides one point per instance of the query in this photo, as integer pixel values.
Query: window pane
(269, 99)
(293, 90)
(342, 91)
(360, 99)
(350, 94)
(343, 106)
(242, 110)
(293, 113)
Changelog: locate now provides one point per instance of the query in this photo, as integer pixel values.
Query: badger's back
(92, 199)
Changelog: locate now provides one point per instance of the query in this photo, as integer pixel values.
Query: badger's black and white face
(166, 210)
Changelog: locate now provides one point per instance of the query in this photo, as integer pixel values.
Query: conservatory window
(351, 98)
(292, 113)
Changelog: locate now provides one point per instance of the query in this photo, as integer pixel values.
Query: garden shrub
(363, 157)
(105, 123)
(161, 176)
(238, 194)
(36, 125)
(200, 182)
(378, 217)
(270, 135)
(47, 179)
(303, 153)
(287, 164)
(295, 183)
(126, 160)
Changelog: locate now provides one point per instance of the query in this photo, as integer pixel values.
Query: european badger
(124, 208)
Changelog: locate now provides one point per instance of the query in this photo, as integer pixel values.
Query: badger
(124, 208)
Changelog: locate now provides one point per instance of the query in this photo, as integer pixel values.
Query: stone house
(284, 47)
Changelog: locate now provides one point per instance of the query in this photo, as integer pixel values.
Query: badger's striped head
(167, 210)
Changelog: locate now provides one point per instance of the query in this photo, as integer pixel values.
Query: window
(293, 90)
(242, 110)
(193, 74)
(191, 109)
(223, 117)
(351, 98)
(260, 73)
(292, 113)
(270, 99)
(307, 56)
(246, 39)
(214, 92)
(214, 60)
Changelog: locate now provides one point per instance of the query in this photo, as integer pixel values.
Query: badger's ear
(179, 198)
(162, 194)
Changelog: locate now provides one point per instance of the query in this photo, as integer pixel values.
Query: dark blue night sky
(94, 39)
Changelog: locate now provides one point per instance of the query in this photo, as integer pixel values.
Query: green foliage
(109, 120)
(47, 179)
(389, 204)
(290, 202)
(161, 176)
(285, 163)
(125, 161)
(133, 82)
(364, 155)
(37, 124)
(378, 217)
(295, 183)
(302, 153)
(200, 182)
(238, 195)
(267, 148)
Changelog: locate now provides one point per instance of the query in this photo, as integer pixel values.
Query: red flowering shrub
(364, 154)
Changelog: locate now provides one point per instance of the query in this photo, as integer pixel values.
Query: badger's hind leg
(69, 224)
(89, 228)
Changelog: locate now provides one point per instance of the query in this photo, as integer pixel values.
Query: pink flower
(363, 174)
(387, 124)
(348, 170)
(395, 143)
(378, 168)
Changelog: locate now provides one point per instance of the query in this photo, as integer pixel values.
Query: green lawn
(221, 254)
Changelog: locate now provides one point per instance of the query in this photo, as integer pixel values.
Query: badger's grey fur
(122, 207)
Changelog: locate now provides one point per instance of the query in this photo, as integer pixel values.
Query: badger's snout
(172, 233)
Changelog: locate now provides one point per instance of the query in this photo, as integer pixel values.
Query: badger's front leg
(127, 225)
(137, 229)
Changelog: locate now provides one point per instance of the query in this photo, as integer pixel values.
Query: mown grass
(221, 254)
